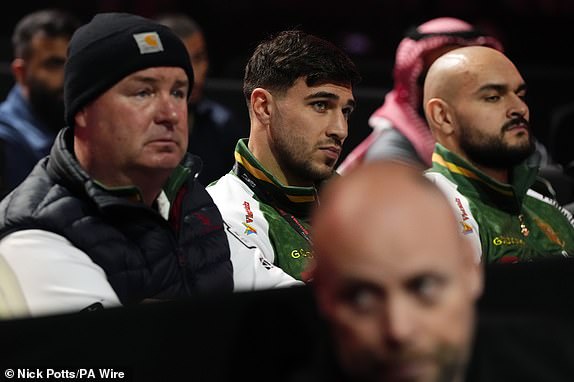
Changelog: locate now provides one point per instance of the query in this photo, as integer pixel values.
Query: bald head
(459, 66)
(474, 101)
(377, 207)
(394, 276)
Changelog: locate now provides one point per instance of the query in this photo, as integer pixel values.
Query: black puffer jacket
(143, 255)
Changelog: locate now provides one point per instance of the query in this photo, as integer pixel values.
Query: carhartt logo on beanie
(148, 42)
(112, 46)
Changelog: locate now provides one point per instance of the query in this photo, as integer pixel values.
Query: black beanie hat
(112, 46)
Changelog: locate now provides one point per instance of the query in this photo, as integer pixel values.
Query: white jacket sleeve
(42, 273)
(461, 208)
(251, 270)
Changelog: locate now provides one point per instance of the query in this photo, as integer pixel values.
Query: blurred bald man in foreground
(485, 161)
(394, 276)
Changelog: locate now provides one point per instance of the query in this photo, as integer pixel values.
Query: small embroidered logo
(249, 229)
(148, 42)
(466, 228)
(248, 212)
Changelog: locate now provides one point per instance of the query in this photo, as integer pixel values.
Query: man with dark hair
(299, 92)
(485, 158)
(213, 129)
(114, 215)
(33, 112)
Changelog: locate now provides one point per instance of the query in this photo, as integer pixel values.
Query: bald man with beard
(394, 277)
(485, 161)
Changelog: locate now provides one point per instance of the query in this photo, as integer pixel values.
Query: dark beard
(294, 162)
(47, 105)
(492, 152)
(301, 169)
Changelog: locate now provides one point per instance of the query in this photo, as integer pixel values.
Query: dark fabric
(514, 225)
(213, 133)
(105, 50)
(323, 364)
(525, 333)
(142, 255)
(24, 139)
(561, 135)
(392, 144)
(525, 330)
(523, 348)
(556, 184)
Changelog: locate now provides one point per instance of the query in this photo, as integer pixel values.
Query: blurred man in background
(213, 129)
(33, 112)
(394, 277)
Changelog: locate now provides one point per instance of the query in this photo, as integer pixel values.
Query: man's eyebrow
(500, 87)
(497, 87)
(322, 94)
(521, 87)
(182, 83)
(355, 283)
(333, 96)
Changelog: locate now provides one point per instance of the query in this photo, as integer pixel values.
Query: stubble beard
(301, 166)
(296, 161)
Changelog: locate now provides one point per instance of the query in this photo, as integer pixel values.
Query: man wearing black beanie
(114, 216)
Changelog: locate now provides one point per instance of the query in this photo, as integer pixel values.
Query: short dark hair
(51, 22)
(280, 60)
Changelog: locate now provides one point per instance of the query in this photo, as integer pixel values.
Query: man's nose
(338, 127)
(167, 110)
(400, 321)
(518, 107)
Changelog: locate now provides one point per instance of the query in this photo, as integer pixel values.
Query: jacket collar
(65, 166)
(473, 182)
(295, 200)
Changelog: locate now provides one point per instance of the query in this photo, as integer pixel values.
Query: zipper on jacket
(523, 228)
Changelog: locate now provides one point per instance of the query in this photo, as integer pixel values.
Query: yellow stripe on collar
(262, 176)
(253, 170)
(436, 157)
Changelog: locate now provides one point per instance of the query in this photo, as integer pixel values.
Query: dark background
(537, 35)
(263, 332)
(525, 333)
(533, 31)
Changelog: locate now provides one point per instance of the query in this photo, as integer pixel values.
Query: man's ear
(80, 119)
(18, 67)
(438, 116)
(261, 101)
